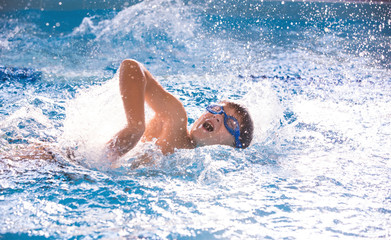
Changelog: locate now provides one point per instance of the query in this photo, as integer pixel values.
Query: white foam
(265, 109)
(172, 17)
(92, 118)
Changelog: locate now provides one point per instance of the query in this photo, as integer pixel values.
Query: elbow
(131, 72)
(130, 63)
(132, 66)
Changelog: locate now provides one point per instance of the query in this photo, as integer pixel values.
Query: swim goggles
(230, 123)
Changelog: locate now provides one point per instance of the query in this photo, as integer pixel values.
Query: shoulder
(173, 108)
(173, 132)
(174, 121)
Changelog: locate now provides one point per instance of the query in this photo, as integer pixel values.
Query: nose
(218, 117)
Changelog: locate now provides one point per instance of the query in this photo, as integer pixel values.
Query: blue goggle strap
(233, 132)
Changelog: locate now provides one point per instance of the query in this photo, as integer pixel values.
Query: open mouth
(208, 126)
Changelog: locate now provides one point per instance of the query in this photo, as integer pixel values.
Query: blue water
(315, 76)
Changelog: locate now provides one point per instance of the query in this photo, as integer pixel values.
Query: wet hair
(246, 122)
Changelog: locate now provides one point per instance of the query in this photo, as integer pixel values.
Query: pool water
(316, 78)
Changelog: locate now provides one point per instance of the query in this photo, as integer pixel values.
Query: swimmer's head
(226, 123)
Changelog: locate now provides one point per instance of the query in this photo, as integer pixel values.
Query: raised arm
(136, 85)
(132, 83)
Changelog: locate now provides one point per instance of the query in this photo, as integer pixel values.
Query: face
(209, 129)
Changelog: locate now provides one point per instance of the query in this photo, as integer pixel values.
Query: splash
(90, 124)
(93, 117)
(315, 77)
(136, 21)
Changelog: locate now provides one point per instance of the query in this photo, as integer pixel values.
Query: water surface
(315, 76)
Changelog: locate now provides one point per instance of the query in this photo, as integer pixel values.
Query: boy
(227, 123)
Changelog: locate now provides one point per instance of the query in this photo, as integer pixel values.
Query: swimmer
(225, 123)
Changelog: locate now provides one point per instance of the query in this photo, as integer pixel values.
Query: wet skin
(169, 124)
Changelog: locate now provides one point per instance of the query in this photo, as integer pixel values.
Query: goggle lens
(230, 122)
